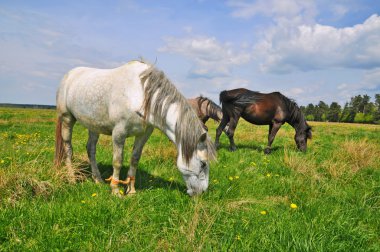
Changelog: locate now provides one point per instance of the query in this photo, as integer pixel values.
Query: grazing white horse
(130, 101)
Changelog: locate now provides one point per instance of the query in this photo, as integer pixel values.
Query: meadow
(327, 199)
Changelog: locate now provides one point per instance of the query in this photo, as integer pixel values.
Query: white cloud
(280, 10)
(309, 47)
(295, 92)
(369, 84)
(211, 58)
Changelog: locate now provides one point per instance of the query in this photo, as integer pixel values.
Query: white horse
(130, 101)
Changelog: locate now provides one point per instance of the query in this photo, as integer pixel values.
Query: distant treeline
(359, 110)
(33, 106)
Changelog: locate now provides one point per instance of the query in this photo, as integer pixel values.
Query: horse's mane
(295, 114)
(159, 94)
(212, 108)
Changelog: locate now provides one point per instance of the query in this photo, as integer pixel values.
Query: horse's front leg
(136, 154)
(273, 129)
(118, 140)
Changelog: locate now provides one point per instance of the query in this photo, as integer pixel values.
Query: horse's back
(98, 98)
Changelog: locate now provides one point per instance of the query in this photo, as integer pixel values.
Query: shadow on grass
(250, 146)
(144, 180)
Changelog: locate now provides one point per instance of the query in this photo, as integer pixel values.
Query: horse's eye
(203, 164)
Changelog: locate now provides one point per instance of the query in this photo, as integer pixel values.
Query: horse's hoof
(130, 194)
(232, 149)
(217, 145)
(117, 193)
(98, 180)
(267, 151)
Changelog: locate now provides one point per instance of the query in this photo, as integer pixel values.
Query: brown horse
(273, 109)
(206, 109)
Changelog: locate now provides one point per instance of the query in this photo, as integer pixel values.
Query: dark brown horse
(273, 109)
(206, 109)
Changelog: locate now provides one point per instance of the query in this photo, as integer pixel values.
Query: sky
(310, 50)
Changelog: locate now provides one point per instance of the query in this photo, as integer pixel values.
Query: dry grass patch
(301, 163)
(353, 156)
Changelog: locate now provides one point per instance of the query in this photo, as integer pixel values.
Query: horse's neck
(298, 123)
(169, 123)
(214, 112)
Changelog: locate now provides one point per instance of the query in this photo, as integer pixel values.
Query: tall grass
(334, 189)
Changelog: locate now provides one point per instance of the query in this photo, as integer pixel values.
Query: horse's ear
(203, 137)
(308, 132)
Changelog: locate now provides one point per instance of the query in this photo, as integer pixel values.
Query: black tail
(224, 96)
(242, 98)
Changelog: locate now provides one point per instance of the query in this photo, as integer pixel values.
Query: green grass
(335, 185)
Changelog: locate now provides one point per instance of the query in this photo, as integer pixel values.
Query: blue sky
(310, 50)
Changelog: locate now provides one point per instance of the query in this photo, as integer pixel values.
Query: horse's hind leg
(68, 122)
(136, 154)
(273, 129)
(219, 130)
(231, 131)
(91, 152)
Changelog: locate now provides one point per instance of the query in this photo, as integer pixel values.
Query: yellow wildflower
(263, 212)
(236, 177)
(293, 206)
(94, 194)
(83, 201)
(268, 175)
(238, 237)
(2, 161)
(230, 178)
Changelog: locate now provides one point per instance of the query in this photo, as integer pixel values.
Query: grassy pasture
(334, 190)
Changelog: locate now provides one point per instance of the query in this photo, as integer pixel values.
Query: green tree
(376, 114)
(320, 111)
(309, 112)
(334, 112)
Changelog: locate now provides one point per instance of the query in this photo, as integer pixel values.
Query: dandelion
(94, 194)
(121, 192)
(231, 178)
(236, 177)
(263, 212)
(268, 175)
(293, 206)
(2, 161)
(83, 201)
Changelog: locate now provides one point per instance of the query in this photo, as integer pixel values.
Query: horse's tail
(240, 97)
(225, 97)
(59, 149)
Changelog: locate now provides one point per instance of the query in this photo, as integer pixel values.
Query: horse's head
(301, 137)
(196, 171)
